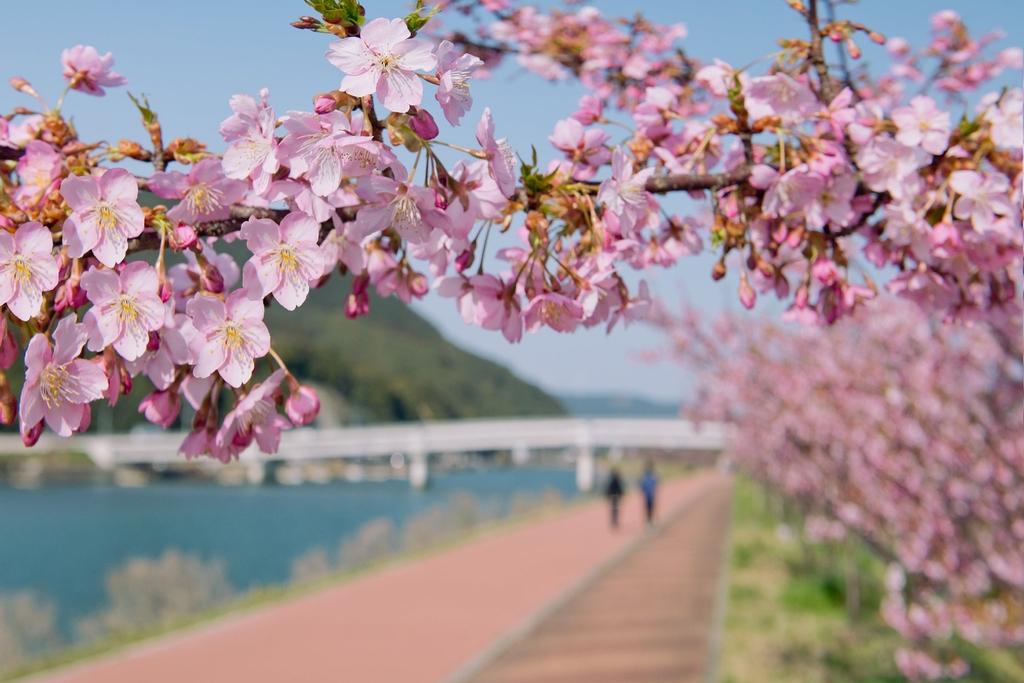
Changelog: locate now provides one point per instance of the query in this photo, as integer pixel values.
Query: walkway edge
(721, 603)
(486, 657)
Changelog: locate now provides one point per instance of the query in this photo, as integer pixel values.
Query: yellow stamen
(51, 384)
(233, 336)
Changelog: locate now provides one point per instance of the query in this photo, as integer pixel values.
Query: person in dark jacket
(649, 486)
(613, 489)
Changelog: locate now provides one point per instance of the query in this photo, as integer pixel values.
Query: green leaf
(415, 20)
(142, 104)
(338, 11)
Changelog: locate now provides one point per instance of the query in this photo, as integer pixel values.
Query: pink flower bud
(418, 284)
(423, 124)
(161, 407)
(852, 49)
(126, 379)
(324, 104)
(464, 260)
(8, 346)
(302, 406)
(31, 435)
(166, 291)
(23, 86)
(357, 304)
(154, 341)
(70, 296)
(825, 271)
(747, 294)
(183, 237)
(439, 201)
(211, 279)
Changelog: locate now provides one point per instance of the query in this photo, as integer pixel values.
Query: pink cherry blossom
(501, 160)
(343, 244)
(206, 194)
(27, 269)
(590, 110)
(168, 348)
(326, 147)
(383, 60)
(249, 132)
(254, 417)
(1004, 114)
(105, 215)
(890, 166)
(981, 198)
(796, 190)
(624, 194)
(454, 69)
(780, 95)
(556, 311)
(38, 169)
(410, 210)
(58, 384)
(286, 258)
(922, 123)
(585, 147)
(87, 71)
(126, 308)
(230, 336)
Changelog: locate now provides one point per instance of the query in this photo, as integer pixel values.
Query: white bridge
(417, 441)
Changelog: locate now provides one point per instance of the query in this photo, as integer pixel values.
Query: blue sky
(190, 56)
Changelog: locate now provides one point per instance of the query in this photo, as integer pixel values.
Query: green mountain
(394, 365)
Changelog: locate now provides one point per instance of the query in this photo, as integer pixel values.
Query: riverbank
(79, 563)
(414, 620)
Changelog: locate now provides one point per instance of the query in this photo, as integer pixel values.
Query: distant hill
(614, 405)
(394, 365)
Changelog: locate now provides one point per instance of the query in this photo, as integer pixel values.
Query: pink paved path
(419, 621)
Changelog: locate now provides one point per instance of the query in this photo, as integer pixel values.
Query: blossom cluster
(804, 172)
(809, 172)
(897, 431)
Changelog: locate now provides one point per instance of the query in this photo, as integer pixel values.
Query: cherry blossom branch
(816, 51)
(150, 240)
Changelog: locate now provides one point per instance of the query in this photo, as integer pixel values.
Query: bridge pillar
(586, 468)
(419, 471)
(520, 454)
(256, 472)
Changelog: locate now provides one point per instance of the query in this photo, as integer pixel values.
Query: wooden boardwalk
(649, 618)
(423, 620)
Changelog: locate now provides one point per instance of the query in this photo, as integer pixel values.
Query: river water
(61, 541)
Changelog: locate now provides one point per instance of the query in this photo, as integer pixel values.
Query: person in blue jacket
(649, 487)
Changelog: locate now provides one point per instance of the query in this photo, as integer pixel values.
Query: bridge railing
(414, 439)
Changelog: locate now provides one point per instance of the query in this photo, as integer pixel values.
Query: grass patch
(786, 619)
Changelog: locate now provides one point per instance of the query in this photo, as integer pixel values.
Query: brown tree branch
(688, 182)
(239, 214)
(817, 52)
